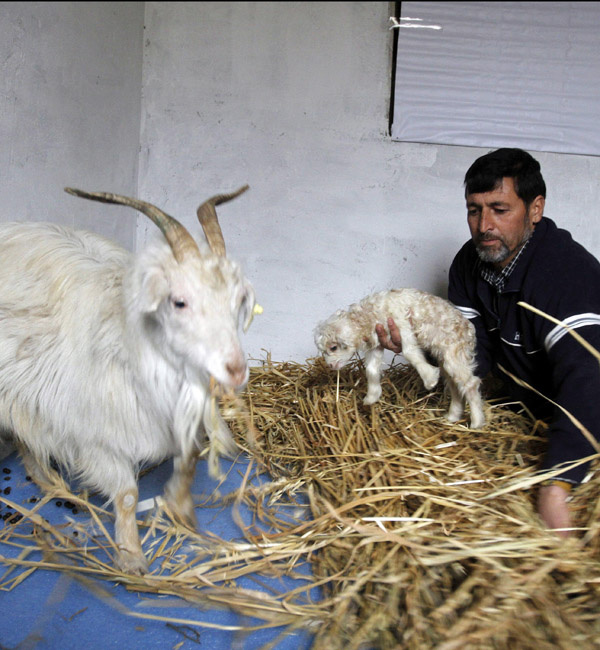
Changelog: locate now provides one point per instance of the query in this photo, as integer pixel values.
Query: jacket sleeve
(462, 294)
(575, 371)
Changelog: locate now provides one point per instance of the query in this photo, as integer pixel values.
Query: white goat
(426, 322)
(106, 357)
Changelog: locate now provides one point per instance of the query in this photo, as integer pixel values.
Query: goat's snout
(237, 371)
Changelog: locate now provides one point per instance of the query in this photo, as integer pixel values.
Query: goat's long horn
(210, 224)
(179, 239)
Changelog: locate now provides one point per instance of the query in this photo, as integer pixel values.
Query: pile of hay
(426, 533)
(420, 534)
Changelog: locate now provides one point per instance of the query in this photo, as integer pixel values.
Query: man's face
(500, 223)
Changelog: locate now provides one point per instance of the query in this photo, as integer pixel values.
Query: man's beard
(500, 254)
(490, 256)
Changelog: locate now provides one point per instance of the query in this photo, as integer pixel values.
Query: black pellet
(58, 504)
(6, 470)
(7, 490)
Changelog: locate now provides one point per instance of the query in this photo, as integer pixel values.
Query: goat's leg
(458, 370)
(115, 476)
(44, 476)
(415, 356)
(178, 491)
(130, 558)
(475, 401)
(220, 438)
(456, 409)
(373, 359)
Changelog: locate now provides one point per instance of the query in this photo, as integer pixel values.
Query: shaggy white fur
(107, 357)
(426, 322)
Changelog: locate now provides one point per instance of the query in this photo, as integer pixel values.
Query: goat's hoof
(185, 516)
(477, 423)
(187, 521)
(369, 401)
(432, 381)
(132, 563)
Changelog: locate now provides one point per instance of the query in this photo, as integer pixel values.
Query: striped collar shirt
(498, 278)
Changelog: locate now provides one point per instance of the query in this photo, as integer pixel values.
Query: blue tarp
(55, 609)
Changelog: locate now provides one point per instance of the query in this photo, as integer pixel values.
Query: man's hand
(392, 342)
(554, 509)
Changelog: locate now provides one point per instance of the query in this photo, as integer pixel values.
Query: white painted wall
(290, 97)
(293, 98)
(70, 93)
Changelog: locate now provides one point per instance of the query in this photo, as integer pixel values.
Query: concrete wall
(293, 98)
(70, 94)
(290, 97)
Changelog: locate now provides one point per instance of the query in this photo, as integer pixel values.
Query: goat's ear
(154, 288)
(247, 306)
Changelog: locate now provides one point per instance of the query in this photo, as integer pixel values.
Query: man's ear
(536, 209)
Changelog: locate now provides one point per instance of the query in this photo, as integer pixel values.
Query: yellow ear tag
(257, 309)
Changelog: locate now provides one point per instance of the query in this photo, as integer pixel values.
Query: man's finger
(394, 333)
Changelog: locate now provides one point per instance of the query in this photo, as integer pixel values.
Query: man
(516, 254)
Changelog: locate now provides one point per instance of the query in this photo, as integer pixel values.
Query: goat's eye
(333, 348)
(179, 304)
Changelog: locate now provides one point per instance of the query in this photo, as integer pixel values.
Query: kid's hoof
(431, 379)
(372, 398)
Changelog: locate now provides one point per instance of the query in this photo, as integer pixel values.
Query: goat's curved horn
(179, 239)
(207, 216)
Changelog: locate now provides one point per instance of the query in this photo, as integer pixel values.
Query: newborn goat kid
(426, 322)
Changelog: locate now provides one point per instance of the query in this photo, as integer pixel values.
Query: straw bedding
(419, 533)
(432, 540)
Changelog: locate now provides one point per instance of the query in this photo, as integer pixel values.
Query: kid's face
(337, 354)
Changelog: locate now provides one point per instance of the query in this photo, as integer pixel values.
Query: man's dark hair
(487, 172)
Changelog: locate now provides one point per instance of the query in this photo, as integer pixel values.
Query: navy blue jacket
(558, 276)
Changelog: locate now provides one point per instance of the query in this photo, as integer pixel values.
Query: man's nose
(485, 222)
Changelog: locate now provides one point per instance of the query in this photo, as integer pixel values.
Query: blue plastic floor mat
(64, 609)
